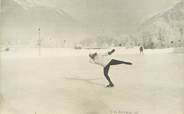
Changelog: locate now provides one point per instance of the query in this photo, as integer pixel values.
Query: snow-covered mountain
(165, 28)
(21, 20)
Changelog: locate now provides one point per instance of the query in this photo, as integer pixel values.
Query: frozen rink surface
(66, 83)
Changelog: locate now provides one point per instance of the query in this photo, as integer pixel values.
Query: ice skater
(105, 60)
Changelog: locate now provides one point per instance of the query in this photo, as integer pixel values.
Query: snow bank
(179, 50)
(57, 52)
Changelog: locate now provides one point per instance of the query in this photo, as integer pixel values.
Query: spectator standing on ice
(141, 49)
(105, 60)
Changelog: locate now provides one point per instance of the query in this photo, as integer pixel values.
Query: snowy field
(62, 81)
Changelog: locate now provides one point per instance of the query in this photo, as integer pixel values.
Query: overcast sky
(115, 15)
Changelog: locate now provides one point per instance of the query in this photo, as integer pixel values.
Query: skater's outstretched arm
(112, 51)
(109, 52)
(92, 57)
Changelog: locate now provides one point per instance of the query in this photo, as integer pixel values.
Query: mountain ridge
(22, 24)
(164, 29)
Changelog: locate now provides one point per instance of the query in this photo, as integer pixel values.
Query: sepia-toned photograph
(91, 56)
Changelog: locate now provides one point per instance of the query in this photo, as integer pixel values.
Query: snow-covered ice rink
(62, 81)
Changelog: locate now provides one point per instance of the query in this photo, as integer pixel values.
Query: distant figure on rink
(141, 49)
(104, 60)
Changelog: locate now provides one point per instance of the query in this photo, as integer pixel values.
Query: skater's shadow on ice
(89, 81)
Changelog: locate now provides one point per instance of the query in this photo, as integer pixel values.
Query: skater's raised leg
(116, 62)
